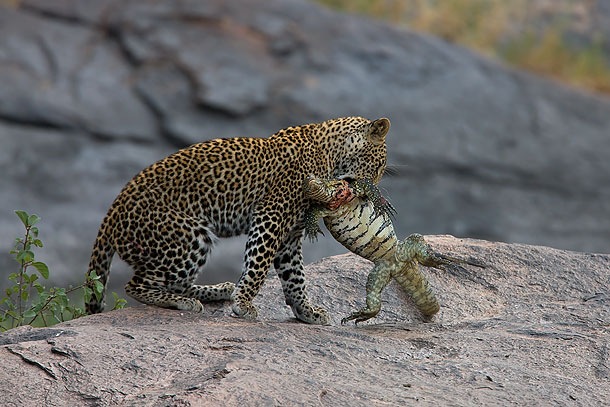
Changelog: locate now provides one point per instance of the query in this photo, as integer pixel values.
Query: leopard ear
(379, 129)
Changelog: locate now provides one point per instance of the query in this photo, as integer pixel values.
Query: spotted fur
(166, 219)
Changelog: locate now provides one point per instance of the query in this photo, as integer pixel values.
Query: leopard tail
(100, 261)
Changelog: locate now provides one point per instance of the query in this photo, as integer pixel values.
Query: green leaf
(87, 293)
(98, 287)
(25, 256)
(42, 268)
(33, 219)
(34, 232)
(37, 242)
(77, 313)
(17, 247)
(119, 303)
(27, 279)
(54, 321)
(42, 298)
(23, 215)
(29, 313)
(13, 314)
(63, 300)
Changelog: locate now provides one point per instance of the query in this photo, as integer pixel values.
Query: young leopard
(166, 219)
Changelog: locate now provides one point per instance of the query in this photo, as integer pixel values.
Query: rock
(67, 75)
(95, 91)
(533, 325)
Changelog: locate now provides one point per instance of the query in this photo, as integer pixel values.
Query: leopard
(167, 218)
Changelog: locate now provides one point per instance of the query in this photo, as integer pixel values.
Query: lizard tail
(415, 284)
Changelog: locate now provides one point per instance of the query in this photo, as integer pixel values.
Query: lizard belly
(359, 229)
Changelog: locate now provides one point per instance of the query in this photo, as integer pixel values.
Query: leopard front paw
(312, 315)
(190, 304)
(244, 310)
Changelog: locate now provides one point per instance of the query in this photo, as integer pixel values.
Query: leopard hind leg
(151, 292)
(165, 274)
(182, 281)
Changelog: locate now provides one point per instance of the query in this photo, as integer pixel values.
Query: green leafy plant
(27, 301)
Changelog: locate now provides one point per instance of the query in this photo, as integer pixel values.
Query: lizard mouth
(342, 196)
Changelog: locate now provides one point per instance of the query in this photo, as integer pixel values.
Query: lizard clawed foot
(366, 188)
(455, 260)
(360, 316)
(442, 261)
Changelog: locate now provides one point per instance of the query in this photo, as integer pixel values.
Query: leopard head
(363, 154)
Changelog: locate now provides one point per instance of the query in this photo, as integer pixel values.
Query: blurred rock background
(92, 92)
(568, 40)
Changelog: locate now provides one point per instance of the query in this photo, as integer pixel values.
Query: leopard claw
(312, 315)
(190, 304)
(244, 310)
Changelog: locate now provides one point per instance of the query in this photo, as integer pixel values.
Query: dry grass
(9, 3)
(529, 34)
(549, 55)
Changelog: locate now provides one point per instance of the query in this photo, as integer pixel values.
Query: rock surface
(92, 92)
(533, 328)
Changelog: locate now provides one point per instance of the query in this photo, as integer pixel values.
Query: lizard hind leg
(378, 279)
(415, 247)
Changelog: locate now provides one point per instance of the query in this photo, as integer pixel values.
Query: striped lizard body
(359, 218)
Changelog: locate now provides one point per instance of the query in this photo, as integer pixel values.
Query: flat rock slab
(532, 328)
